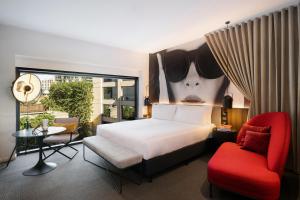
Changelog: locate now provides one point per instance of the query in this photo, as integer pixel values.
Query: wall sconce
(227, 101)
(147, 102)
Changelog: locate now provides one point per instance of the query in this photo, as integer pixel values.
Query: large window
(94, 98)
(119, 100)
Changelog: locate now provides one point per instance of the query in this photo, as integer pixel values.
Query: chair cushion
(70, 127)
(59, 139)
(244, 172)
(247, 127)
(257, 142)
(117, 155)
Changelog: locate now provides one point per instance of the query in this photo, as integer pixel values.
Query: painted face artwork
(196, 89)
(193, 76)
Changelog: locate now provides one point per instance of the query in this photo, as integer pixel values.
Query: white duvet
(154, 137)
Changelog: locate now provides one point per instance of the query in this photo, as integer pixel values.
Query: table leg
(11, 155)
(40, 167)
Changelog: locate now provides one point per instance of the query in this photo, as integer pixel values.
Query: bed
(174, 134)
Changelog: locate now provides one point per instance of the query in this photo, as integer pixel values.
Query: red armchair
(248, 173)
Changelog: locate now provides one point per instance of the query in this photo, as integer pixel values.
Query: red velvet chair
(248, 173)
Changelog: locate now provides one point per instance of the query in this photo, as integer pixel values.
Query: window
(106, 99)
(128, 93)
(109, 93)
(128, 112)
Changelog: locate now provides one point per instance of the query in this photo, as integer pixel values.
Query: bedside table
(219, 137)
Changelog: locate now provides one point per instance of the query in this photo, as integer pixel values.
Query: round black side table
(40, 167)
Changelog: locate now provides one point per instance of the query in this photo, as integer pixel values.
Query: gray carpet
(80, 180)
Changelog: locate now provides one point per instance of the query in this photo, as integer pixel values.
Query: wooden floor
(80, 180)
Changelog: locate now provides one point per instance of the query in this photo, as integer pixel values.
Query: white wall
(24, 48)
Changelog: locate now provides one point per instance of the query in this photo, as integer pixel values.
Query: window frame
(20, 70)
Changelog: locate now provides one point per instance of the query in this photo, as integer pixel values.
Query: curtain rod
(253, 19)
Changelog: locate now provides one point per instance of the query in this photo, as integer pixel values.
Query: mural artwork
(187, 74)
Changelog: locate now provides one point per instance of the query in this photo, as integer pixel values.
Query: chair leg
(61, 153)
(57, 150)
(54, 151)
(76, 150)
(72, 147)
(210, 190)
(44, 154)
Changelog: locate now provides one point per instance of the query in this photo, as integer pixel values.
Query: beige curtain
(264, 64)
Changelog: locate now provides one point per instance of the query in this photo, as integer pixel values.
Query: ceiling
(138, 25)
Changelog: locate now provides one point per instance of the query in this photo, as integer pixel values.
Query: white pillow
(163, 111)
(193, 114)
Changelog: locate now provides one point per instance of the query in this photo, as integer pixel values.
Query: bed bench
(118, 156)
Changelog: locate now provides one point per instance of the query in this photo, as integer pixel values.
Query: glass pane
(128, 93)
(110, 100)
(128, 112)
(110, 93)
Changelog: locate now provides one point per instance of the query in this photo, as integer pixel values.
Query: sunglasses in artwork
(176, 63)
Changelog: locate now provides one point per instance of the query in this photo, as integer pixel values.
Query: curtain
(261, 57)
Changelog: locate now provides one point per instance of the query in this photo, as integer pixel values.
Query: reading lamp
(26, 89)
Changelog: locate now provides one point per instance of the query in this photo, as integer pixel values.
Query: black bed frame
(157, 165)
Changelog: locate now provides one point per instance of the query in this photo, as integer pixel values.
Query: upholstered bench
(118, 156)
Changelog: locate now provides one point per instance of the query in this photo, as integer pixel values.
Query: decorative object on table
(40, 167)
(70, 134)
(224, 127)
(45, 124)
(26, 89)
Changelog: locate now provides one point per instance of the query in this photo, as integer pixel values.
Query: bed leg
(210, 190)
